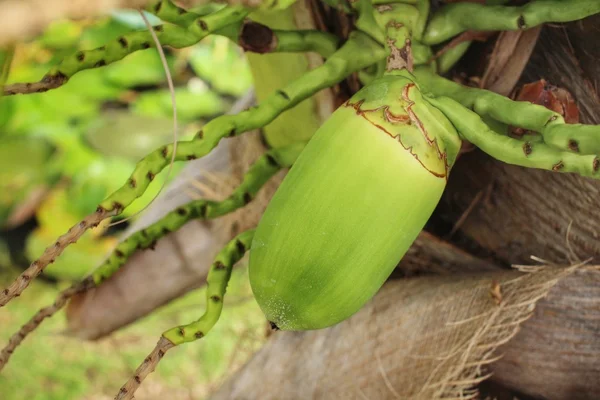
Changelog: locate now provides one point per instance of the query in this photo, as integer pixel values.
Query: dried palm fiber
(525, 212)
(428, 338)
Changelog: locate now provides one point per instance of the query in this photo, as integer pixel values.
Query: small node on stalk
(215, 298)
(119, 253)
(100, 63)
(191, 157)
(199, 135)
(137, 379)
(161, 353)
(202, 25)
(231, 133)
(573, 145)
(158, 28)
(558, 166)
(521, 22)
(150, 175)
(257, 38)
(272, 161)
(182, 211)
(247, 198)
(240, 246)
(117, 207)
(283, 94)
(26, 277)
(181, 331)
(199, 335)
(596, 164)
(552, 119)
(164, 151)
(146, 45)
(123, 42)
(219, 265)
(123, 391)
(132, 183)
(80, 56)
(527, 148)
(204, 210)
(157, 7)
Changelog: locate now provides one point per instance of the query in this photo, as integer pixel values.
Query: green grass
(51, 366)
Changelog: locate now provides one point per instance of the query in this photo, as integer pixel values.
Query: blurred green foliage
(63, 151)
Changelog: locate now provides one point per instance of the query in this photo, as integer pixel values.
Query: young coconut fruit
(351, 206)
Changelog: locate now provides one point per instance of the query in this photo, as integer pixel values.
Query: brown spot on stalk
(399, 58)
(219, 265)
(521, 22)
(123, 42)
(596, 164)
(181, 211)
(272, 161)
(80, 56)
(527, 149)
(199, 335)
(240, 246)
(157, 7)
(283, 94)
(158, 28)
(150, 176)
(100, 63)
(164, 151)
(199, 135)
(119, 253)
(181, 331)
(132, 183)
(231, 133)
(558, 166)
(146, 45)
(247, 198)
(573, 145)
(191, 157)
(215, 298)
(202, 25)
(257, 38)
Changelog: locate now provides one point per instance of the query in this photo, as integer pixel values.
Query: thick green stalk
(456, 18)
(358, 52)
(258, 174)
(514, 151)
(578, 138)
(168, 35)
(217, 280)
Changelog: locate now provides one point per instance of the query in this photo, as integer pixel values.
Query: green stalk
(258, 174)
(578, 138)
(456, 18)
(218, 277)
(514, 151)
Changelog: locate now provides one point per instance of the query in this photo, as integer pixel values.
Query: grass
(52, 366)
